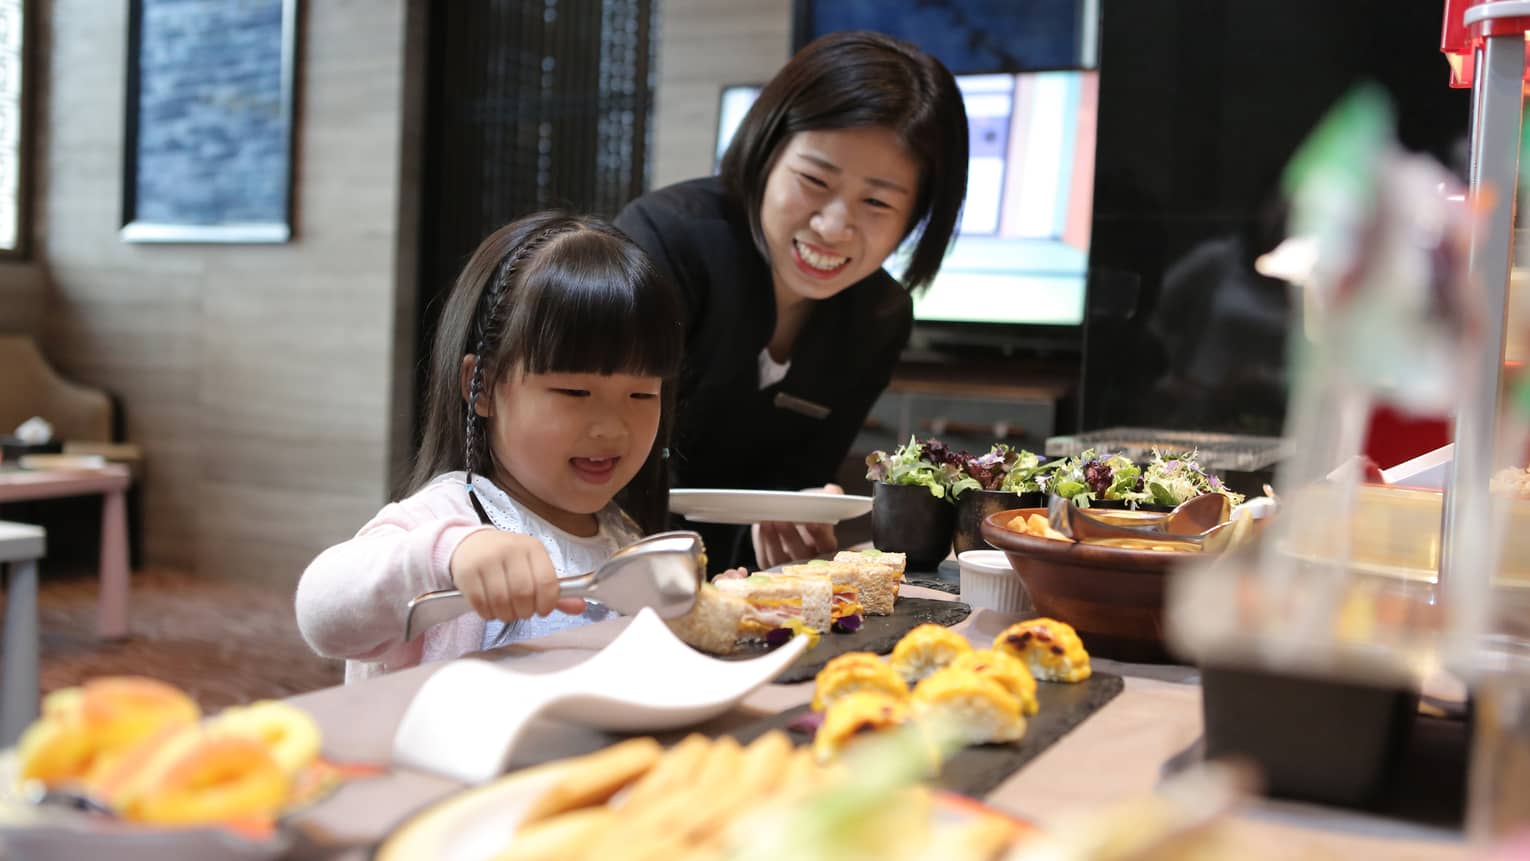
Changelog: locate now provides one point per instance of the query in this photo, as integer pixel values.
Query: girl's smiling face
(565, 443)
(836, 204)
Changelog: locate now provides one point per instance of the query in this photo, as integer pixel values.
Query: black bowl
(906, 519)
(974, 505)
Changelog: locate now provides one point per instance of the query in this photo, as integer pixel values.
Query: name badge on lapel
(783, 401)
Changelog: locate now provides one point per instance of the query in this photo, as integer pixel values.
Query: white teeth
(825, 262)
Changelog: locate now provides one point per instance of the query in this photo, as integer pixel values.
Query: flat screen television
(968, 36)
(1016, 274)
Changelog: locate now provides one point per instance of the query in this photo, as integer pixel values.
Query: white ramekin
(989, 582)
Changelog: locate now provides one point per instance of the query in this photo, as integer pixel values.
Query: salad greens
(909, 464)
(1027, 473)
(1172, 479)
(1166, 480)
(1089, 477)
(949, 473)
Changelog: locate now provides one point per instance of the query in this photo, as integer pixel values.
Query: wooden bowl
(1113, 596)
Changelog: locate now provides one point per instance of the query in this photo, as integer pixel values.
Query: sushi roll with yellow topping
(856, 671)
(926, 649)
(968, 706)
(1050, 648)
(1007, 670)
(854, 715)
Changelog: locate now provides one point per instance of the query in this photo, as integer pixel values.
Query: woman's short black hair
(551, 293)
(856, 79)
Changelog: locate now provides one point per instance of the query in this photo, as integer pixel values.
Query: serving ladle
(663, 571)
(1196, 521)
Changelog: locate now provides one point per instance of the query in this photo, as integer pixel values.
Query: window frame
(24, 143)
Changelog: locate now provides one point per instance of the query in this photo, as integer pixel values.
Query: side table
(111, 482)
(20, 548)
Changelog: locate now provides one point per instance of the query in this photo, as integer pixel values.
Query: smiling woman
(792, 325)
(836, 205)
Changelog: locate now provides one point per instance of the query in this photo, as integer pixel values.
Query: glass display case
(1365, 595)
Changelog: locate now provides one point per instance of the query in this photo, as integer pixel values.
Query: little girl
(550, 393)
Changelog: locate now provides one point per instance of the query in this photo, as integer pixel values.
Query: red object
(1394, 437)
(1459, 42)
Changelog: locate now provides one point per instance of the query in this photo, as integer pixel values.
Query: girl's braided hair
(488, 321)
(549, 292)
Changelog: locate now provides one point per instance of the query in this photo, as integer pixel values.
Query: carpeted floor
(222, 642)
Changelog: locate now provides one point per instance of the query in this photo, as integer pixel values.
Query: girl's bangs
(600, 320)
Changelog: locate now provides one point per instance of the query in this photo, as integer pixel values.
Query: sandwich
(777, 601)
(880, 573)
(846, 611)
(712, 625)
(870, 556)
(876, 584)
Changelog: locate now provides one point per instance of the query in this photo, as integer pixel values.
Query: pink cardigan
(351, 599)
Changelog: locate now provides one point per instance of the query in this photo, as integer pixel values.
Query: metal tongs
(663, 571)
(1201, 522)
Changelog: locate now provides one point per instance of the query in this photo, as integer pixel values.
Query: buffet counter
(1122, 751)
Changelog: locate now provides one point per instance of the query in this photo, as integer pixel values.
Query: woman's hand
(508, 577)
(779, 543)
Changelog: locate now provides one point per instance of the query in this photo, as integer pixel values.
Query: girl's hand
(738, 573)
(779, 543)
(508, 577)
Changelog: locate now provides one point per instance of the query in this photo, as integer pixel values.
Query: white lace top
(571, 555)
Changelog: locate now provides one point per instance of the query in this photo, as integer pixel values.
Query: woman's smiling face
(836, 204)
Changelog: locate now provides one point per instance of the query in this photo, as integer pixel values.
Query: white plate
(479, 824)
(60, 834)
(761, 506)
(475, 825)
(466, 719)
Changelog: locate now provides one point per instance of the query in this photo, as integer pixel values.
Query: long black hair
(552, 292)
(856, 79)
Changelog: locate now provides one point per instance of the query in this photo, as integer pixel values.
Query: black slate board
(976, 771)
(946, 578)
(878, 635)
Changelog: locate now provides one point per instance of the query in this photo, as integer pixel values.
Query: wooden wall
(703, 45)
(262, 381)
(24, 282)
(23, 292)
